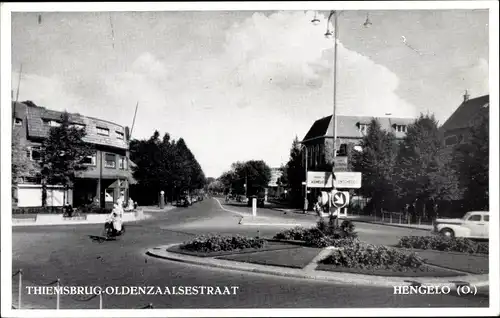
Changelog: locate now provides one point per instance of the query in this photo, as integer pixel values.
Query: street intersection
(47, 253)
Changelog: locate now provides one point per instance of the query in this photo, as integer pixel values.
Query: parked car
(474, 224)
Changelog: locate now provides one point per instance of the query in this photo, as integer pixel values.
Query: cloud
(268, 81)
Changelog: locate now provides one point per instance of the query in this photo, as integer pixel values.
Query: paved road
(65, 252)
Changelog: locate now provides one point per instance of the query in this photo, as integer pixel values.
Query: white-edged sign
(340, 163)
(348, 180)
(343, 180)
(319, 179)
(340, 199)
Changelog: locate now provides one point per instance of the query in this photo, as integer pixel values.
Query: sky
(240, 85)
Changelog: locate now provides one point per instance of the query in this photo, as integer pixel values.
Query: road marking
(224, 209)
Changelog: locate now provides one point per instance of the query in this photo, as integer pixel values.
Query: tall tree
(295, 173)
(421, 174)
(376, 163)
(62, 155)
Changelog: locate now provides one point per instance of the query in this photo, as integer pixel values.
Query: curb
(389, 224)
(453, 283)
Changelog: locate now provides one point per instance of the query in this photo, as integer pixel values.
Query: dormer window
(400, 128)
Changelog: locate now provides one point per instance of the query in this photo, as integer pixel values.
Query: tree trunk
(44, 193)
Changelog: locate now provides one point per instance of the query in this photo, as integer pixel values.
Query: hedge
(217, 243)
(60, 210)
(442, 243)
(368, 256)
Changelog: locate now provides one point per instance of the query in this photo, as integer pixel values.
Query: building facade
(469, 114)
(108, 172)
(350, 130)
(274, 188)
(319, 141)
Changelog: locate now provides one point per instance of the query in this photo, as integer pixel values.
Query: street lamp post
(334, 14)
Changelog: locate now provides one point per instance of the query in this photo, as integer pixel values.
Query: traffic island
(306, 263)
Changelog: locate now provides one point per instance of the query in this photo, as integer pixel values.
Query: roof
(461, 118)
(348, 126)
(35, 116)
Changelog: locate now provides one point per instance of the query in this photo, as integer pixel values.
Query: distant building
(108, 174)
(275, 189)
(351, 129)
(469, 114)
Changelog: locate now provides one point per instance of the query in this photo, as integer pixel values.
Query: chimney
(466, 96)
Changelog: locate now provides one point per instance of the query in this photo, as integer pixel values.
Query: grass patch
(470, 263)
(423, 271)
(297, 257)
(269, 247)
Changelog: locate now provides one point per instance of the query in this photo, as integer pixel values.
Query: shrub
(322, 235)
(38, 210)
(297, 233)
(357, 255)
(441, 243)
(217, 243)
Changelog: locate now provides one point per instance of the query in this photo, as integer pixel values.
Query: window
(475, 218)
(34, 153)
(89, 160)
(486, 218)
(78, 126)
(119, 135)
(54, 123)
(342, 150)
(110, 160)
(18, 122)
(451, 140)
(400, 128)
(102, 131)
(363, 128)
(122, 163)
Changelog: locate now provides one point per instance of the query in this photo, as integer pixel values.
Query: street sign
(340, 199)
(347, 180)
(340, 163)
(319, 179)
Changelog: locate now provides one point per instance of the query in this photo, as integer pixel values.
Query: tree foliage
(62, 155)
(422, 172)
(376, 163)
(164, 164)
(254, 174)
(294, 173)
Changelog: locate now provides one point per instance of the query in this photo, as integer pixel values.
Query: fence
(57, 284)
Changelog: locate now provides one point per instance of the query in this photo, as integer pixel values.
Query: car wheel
(447, 233)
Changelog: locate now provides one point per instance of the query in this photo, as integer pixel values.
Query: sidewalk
(310, 272)
(374, 220)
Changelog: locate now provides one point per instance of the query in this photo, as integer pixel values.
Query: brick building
(319, 140)
(108, 174)
(469, 114)
(351, 129)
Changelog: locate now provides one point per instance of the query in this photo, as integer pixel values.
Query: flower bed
(372, 257)
(441, 243)
(217, 243)
(322, 235)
